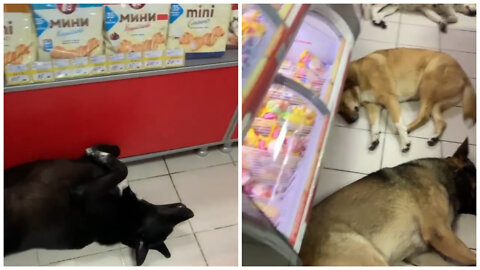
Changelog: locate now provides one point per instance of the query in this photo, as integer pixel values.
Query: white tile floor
(207, 185)
(347, 157)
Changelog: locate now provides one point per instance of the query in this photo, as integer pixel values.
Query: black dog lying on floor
(69, 204)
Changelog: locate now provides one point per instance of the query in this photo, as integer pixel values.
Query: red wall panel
(141, 115)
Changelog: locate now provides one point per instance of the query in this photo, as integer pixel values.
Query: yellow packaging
(200, 29)
(67, 31)
(19, 40)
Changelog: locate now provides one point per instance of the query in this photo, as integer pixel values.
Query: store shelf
(228, 60)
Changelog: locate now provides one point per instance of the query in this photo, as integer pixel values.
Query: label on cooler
(99, 63)
(62, 68)
(81, 66)
(154, 59)
(17, 74)
(175, 52)
(116, 62)
(42, 71)
(135, 60)
(175, 62)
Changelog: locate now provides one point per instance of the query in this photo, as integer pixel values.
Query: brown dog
(395, 214)
(387, 77)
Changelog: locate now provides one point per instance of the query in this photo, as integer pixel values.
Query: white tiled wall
(207, 185)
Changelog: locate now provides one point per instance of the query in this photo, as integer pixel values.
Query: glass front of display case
(282, 148)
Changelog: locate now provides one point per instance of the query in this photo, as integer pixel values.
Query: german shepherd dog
(387, 77)
(69, 204)
(394, 214)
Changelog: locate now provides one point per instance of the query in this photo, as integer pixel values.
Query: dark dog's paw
(433, 141)
(443, 27)
(111, 149)
(373, 145)
(406, 148)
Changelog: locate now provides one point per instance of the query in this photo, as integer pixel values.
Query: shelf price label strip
(57, 69)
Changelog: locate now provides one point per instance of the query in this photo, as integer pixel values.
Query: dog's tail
(469, 104)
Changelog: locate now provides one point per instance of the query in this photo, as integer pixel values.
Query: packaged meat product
(19, 40)
(199, 29)
(68, 31)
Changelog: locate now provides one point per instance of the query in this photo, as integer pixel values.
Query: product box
(19, 40)
(232, 42)
(200, 29)
(138, 30)
(67, 31)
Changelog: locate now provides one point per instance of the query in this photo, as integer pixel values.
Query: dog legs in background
(433, 16)
(373, 112)
(379, 12)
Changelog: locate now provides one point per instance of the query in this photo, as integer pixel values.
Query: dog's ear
(141, 251)
(162, 248)
(462, 151)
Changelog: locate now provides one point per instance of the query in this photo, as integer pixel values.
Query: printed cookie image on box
(19, 40)
(136, 27)
(200, 29)
(68, 31)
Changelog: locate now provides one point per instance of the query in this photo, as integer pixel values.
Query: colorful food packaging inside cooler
(253, 29)
(274, 146)
(19, 40)
(67, 31)
(308, 71)
(136, 27)
(200, 29)
(232, 41)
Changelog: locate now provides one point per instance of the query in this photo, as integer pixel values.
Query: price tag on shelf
(62, 68)
(81, 66)
(175, 62)
(154, 59)
(42, 71)
(99, 63)
(134, 60)
(175, 58)
(116, 62)
(17, 74)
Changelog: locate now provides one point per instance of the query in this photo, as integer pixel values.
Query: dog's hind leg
(433, 16)
(395, 111)
(105, 183)
(438, 119)
(373, 111)
(423, 115)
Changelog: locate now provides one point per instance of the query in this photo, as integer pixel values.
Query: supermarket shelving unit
(278, 182)
(143, 112)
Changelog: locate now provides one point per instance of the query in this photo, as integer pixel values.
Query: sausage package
(200, 29)
(68, 31)
(19, 40)
(136, 27)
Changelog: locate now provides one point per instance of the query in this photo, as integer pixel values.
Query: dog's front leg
(444, 240)
(449, 12)
(395, 111)
(373, 112)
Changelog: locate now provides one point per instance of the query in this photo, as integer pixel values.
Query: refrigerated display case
(285, 134)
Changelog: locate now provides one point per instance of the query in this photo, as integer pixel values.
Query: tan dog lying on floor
(387, 77)
(395, 214)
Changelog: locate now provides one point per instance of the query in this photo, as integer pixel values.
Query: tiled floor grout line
(342, 170)
(189, 223)
(210, 166)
